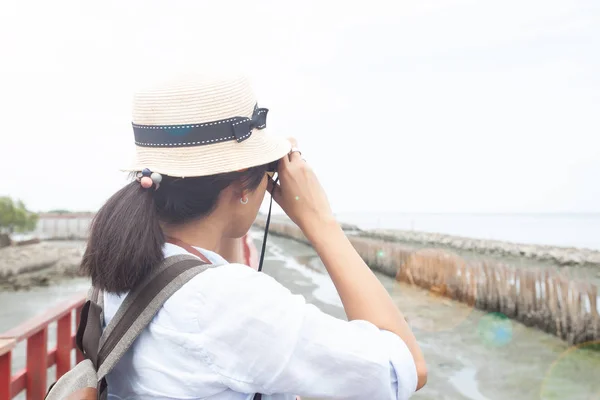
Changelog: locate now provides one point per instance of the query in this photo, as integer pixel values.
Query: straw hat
(198, 125)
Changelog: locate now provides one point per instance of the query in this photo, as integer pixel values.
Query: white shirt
(231, 332)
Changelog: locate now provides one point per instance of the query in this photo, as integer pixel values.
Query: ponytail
(125, 242)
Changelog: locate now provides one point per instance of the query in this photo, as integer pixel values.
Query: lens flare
(495, 330)
(579, 361)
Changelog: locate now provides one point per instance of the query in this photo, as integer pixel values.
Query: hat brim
(259, 149)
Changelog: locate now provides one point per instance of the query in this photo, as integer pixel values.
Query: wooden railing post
(6, 346)
(37, 369)
(64, 345)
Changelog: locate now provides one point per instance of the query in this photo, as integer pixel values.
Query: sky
(405, 106)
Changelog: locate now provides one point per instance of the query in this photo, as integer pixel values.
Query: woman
(202, 165)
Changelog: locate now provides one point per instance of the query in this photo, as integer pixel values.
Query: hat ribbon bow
(243, 129)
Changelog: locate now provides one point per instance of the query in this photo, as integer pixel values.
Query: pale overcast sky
(407, 105)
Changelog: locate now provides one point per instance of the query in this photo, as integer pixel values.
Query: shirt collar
(212, 256)
(171, 249)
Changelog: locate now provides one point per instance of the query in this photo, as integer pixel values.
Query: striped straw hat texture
(198, 125)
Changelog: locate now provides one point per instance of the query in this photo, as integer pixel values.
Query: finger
(284, 163)
(295, 155)
(285, 160)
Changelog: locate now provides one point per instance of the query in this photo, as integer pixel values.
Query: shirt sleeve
(280, 344)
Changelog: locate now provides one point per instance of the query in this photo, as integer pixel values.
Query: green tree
(14, 216)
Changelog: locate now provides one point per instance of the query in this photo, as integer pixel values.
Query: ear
(230, 195)
(237, 190)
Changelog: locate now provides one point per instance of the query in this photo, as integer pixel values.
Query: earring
(244, 200)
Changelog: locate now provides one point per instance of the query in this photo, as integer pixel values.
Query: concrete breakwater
(563, 256)
(539, 298)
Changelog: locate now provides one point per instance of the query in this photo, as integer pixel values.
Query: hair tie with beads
(148, 178)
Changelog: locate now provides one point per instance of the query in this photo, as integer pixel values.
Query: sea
(564, 230)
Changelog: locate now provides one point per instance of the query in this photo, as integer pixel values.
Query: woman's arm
(363, 296)
(301, 196)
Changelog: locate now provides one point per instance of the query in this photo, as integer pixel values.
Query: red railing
(34, 377)
(250, 252)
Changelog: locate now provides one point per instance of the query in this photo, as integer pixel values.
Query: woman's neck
(204, 234)
(209, 237)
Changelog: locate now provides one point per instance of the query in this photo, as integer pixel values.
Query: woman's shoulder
(220, 276)
(235, 280)
(229, 289)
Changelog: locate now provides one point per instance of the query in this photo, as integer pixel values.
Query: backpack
(103, 350)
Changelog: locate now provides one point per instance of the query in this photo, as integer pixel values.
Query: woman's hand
(300, 194)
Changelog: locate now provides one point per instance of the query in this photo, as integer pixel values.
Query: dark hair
(126, 240)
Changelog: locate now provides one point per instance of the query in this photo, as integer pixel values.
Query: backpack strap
(105, 349)
(89, 330)
(141, 305)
